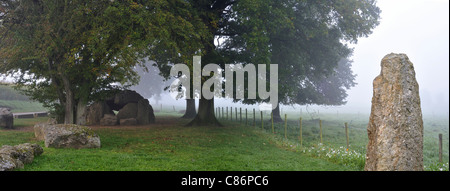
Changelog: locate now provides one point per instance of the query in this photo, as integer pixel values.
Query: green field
(13, 99)
(168, 145)
(171, 146)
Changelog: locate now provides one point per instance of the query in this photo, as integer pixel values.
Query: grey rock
(96, 111)
(145, 114)
(12, 157)
(67, 136)
(128, 111)
(6, 118)
(127, 96)
(109, 120)
(128, 121)
(395, 129)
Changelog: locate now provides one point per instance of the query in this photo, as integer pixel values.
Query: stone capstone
(125, 97)
(66, 136)
(96, 111)
(12, 157)
(6, 118)
(395, 128)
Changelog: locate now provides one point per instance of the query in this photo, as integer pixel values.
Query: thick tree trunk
(276, 114)
(81, 112)
(205, 115)
(191, 112)
(70, 102)
(69, 108)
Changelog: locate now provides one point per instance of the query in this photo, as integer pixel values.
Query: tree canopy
(70, 52)
(306, 38)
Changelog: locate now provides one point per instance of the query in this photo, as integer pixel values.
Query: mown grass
(170, 146)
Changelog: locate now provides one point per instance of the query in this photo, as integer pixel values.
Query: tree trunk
(191, 112)
(81, 112)
(205, 115)
(69, 107)
(276, 115)
(70, 102)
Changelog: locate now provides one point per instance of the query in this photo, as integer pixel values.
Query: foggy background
(418, 28)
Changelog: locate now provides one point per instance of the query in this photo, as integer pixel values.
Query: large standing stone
(128, 111)
(66, 136)
(395, 128)
(6, 118)
(96, 111)
(145, 114)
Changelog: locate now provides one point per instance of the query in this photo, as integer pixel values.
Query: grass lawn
(169, 146)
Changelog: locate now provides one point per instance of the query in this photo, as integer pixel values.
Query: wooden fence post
(262, 123)
(440, 148)
(227, 113)
(254, 118)
(271, 118)
(346, 134)
(320, 124)
(285, 126)
(231, 113)
(246, 117)
(240, 115)
(223, 113)
(235, 109)
(300, 124)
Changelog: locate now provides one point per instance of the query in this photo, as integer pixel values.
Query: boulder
(395, 128)
(109, 120)
(6, 118)
(128, 111)
(128, 121)
(96, 111)
(125, 97)
(66, 136)
(145, 114)
(12, 157)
